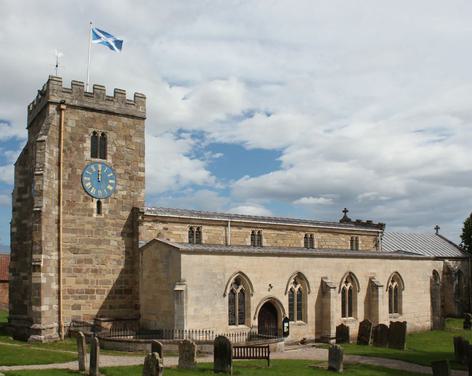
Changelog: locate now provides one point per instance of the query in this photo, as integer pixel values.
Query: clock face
(99, 180)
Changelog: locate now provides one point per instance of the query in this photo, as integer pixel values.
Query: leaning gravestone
(365, 333)
(153, 365)
(342, 334)
(94, 357)
(156, 347)
(441, 368)
(81, 351)
(397, 335)
(222, 355)
(335, 358)
(458, 348)
(187, 354)
(467, 321)
(380, 335)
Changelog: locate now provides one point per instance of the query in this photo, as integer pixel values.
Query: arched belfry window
(103, 146)
(354, 243)
(98, 145)
(195, 235)
(238, 302)
(94, 145)
(395, 288)
(349, 290)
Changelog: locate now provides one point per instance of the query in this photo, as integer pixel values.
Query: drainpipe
(228, 233)
(62, 109)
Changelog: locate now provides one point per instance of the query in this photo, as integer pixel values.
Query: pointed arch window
(256, 238)
(237, 303)
(103, 146)
(297, 300)
(395, 289)
(349, 290)
(195, 235)
(94, 145)
(99, 207)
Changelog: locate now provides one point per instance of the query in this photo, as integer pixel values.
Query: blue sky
(270, 107)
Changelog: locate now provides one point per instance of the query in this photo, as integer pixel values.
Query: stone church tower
(74, 243)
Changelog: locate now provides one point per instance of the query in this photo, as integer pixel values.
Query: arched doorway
(268, 322)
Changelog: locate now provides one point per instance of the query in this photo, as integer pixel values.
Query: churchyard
(421, 348)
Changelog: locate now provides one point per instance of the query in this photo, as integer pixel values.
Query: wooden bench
(252, 352)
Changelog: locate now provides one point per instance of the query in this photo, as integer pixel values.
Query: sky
(287, 108)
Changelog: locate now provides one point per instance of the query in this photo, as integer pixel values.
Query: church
(84, 246)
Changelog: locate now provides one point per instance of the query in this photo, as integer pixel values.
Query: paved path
(306, 353)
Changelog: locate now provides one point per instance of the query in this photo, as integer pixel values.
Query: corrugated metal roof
(4, 263)
(186, 213)
(421, 244)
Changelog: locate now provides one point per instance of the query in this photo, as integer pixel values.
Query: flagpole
(89, 52)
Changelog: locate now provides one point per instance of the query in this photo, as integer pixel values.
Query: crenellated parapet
(53, 91)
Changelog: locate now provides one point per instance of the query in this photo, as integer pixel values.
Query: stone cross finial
(437, 228)
(345, 218)
(345, 211)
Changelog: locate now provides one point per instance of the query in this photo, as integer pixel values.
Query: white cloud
(5, 200)
(313, 201)
(6, 174)
(250, 209)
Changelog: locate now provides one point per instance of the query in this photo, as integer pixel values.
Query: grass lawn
(253, 368)
(15, 355)
(422, 347)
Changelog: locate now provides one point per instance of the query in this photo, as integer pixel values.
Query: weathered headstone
(156, 347)
(458, 348)
(365, 333)
(187, 354)
(342, 334)
(441, 368)
(81, 351)
(222, 355)
(94, 357)
(380, 335)
(153, 365)
(335, 358)
(467, 321)
(465, 352)
(397, 335)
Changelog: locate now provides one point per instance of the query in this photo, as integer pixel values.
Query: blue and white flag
(102, 37)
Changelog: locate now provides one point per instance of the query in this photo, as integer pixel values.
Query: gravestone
(156, 347)
(342, 334)
(365, 333)
(468, 321)
(458, 348)
(397, 335)
(335, 358)
(441, 368)
(81, 351)
(380, 335)
(94, 357)
(222, 355)
(465, 352)
(187, 354)
(153, 365)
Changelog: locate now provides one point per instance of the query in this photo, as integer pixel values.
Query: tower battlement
(54, 92)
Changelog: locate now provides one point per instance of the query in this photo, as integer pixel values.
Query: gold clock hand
(99, 172)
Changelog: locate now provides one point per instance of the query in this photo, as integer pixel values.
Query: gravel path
(306, 353)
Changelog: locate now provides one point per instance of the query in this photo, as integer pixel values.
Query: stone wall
(239, 233)
(205, 276)
(3, 294)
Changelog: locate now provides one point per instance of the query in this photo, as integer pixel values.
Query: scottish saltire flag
(102, 37)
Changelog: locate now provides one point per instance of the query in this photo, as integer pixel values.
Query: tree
(467, 235)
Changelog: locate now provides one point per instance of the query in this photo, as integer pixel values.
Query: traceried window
(237, 303)
(395, 288)
(98, 145)
(349, 291)
(354, 243)
(195, 235)
(296, 301)
(256, 238)
(309, 241)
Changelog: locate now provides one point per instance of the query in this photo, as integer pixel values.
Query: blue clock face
(99, 180)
